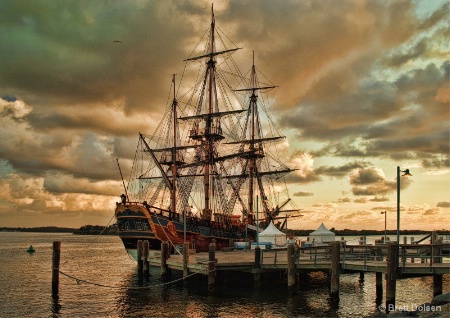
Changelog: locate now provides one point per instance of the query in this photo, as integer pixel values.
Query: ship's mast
(173, 201)
(252, 162)
(208, 142)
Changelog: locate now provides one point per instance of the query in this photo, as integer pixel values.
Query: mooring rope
(95, 238)
(79, 280)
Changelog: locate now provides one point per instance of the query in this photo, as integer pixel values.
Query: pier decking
(393, 260)
(362, 258)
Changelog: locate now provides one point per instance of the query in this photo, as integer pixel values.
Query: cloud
(341, 171)
(303, 163)
(362, 82)
(371, 181)
(443, 205)
(303, 194)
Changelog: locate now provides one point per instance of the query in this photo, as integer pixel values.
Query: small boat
(31, 249)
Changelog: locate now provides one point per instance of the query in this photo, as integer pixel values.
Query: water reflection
(56, 306)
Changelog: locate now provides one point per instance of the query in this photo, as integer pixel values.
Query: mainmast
(173, 192)
(212, 131)
(207, 212)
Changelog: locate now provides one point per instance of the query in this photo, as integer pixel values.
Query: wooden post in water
(212, 267)
(164, 253)
(145, 262)
(55, 267)
(185, 259)
(436, 258)
(361, 277)
(379, 286)
(257, 274)
(139, 249)
(292, 269)
(391, 275)
(335, 268)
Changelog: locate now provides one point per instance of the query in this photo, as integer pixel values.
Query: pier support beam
(335, 269)
(164, 257)
(292, 269)
(212, 267)
(391, 275)
(55, 267)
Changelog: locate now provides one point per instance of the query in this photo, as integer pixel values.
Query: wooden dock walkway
(354, 258)
(393, 260)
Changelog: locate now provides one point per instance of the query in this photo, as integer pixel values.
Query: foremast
(253, 136)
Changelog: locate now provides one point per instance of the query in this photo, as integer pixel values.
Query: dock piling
(164, 256)
(335, 268)
(391, 275)
(185, 259)
(257, 266)
(212, 267)
(436, 257)
(139, 250)
(55, 267)
(292, 269)
(145, 262)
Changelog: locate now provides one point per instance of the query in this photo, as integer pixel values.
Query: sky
(363, 87)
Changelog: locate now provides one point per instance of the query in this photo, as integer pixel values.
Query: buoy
(31, 249)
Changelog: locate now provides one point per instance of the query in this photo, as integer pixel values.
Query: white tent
(273, 235)
(321, 235)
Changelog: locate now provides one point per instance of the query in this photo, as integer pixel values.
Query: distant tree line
(96, 230)
(84, 230)
(45, 229)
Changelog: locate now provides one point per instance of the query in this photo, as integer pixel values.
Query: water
(25, 281)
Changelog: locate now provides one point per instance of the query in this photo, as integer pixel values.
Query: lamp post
(406, 173)
(385, 214)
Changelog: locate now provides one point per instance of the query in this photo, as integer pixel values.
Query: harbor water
(103, 282)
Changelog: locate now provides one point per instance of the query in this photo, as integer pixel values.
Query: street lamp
(405, 173)
(385, 214)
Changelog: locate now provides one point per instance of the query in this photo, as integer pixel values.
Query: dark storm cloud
(341, 171)
(443, 205)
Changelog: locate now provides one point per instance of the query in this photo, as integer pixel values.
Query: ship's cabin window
(124, 225)
(141, 225)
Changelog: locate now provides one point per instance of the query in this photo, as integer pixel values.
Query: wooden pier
(392, 260)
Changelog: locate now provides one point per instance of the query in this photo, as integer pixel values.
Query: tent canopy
(273, 235)
(322, 234)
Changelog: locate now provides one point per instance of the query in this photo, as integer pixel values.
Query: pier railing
(365, 255)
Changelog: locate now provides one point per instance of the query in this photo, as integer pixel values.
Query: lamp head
(406, 173)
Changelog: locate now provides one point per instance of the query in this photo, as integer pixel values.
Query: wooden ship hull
(138, 221)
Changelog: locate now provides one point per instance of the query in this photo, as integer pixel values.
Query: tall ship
(211, 170)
